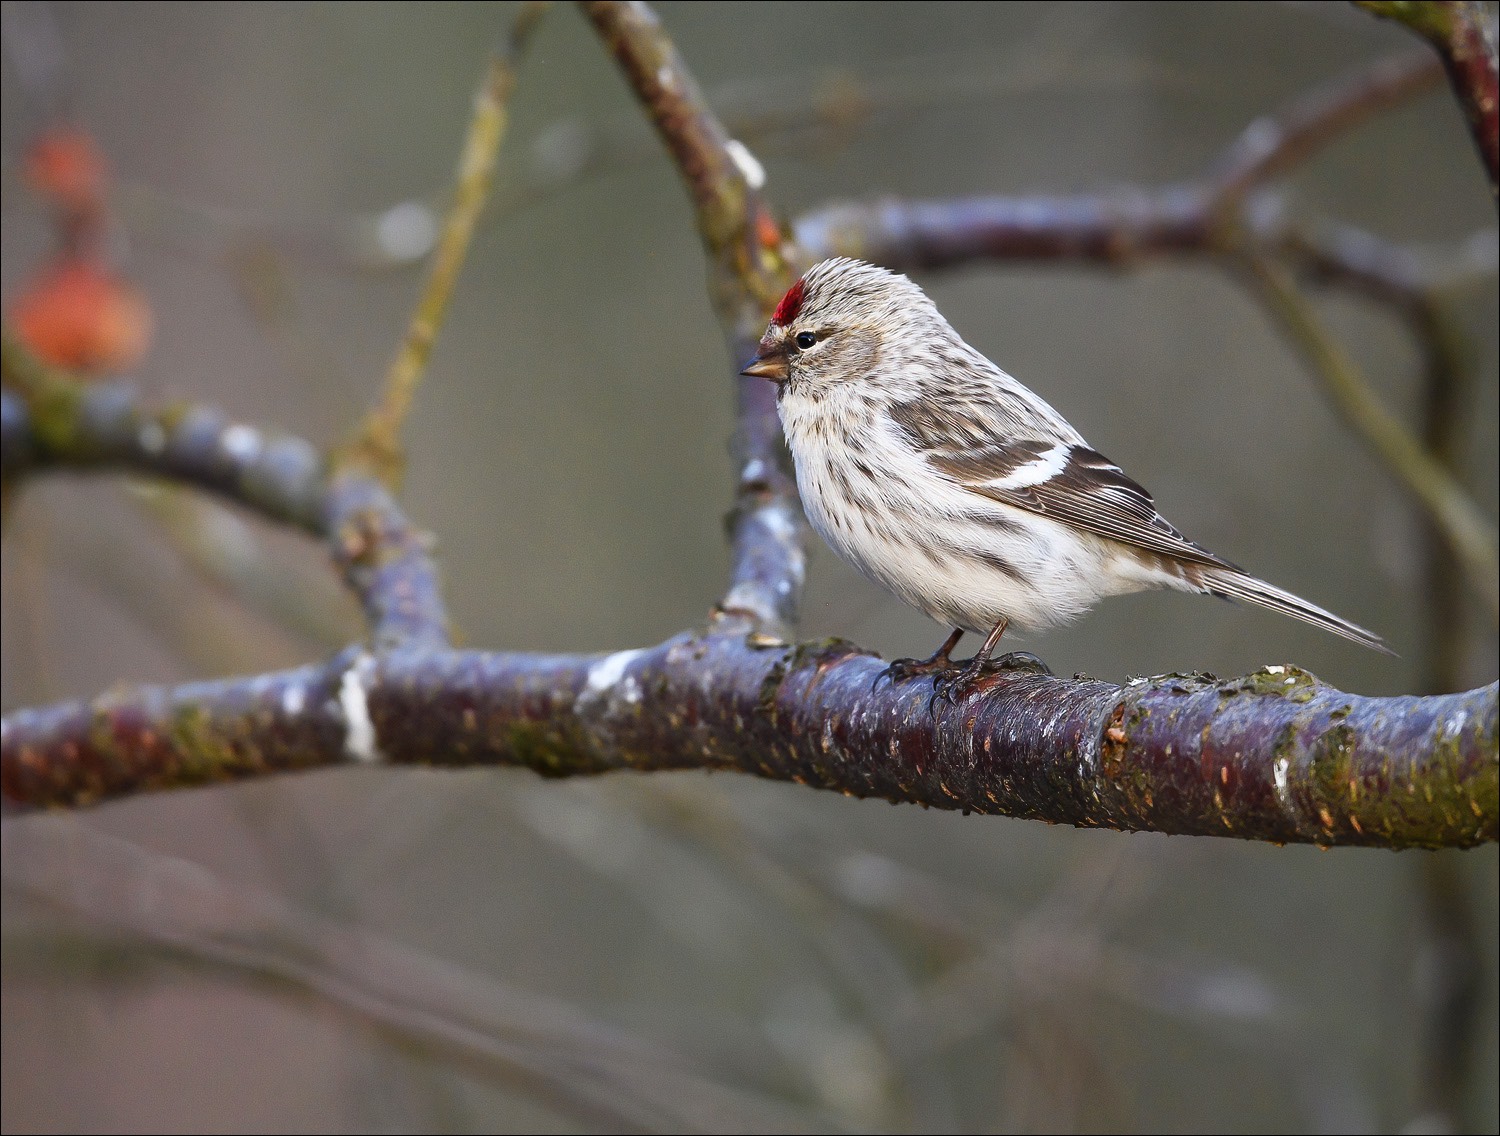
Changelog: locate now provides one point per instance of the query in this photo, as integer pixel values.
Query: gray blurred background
(404, 950)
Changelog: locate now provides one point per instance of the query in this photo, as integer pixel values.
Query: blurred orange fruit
(66, 166)
(79, 315)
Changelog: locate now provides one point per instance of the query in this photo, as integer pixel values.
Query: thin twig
(1273, 144)
(377, 443)
(1408, 285)
(1450, 999)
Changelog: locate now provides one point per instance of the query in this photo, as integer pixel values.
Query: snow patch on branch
(607, 682)
(747, 163)
(360, 743)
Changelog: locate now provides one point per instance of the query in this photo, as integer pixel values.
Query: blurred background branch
(1470, 537)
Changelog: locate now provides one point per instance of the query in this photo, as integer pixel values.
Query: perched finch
(939, 476)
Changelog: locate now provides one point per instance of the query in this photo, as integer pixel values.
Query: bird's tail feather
(1238, 586)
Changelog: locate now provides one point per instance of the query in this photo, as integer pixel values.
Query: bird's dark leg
(939, 661)
(954, 683)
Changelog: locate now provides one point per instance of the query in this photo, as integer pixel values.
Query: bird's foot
(957, 681)
(902, 669)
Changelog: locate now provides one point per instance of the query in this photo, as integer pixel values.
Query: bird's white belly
(960, 558)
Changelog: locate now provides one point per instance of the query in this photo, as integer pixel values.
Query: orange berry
(77, 314)
(66, 166)
(767, 231)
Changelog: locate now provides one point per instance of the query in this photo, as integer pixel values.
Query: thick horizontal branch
(1275, 756)
(52, 422)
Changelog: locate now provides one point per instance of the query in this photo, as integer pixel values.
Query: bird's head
(836, 325)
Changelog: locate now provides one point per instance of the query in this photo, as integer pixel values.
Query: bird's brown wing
(1066, 481)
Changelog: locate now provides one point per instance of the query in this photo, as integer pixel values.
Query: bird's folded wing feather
(1061, 479)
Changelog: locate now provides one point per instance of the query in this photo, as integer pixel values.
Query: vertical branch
(1446, 408)
(1463, 35)
(694, 136)
(1450, 1001)
(750, 264)
(1451, 997)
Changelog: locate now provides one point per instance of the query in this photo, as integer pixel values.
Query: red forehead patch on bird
(790, 305)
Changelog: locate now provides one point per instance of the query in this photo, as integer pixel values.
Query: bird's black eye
(806, 339)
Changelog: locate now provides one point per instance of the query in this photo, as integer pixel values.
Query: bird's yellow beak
(767, 365)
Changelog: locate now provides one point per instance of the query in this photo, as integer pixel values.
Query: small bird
(945, 480)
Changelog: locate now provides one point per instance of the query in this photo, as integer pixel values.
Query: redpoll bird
(942, 478)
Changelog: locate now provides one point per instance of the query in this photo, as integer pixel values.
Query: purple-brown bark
(1273, 756)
